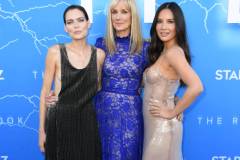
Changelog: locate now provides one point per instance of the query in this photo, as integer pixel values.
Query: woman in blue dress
(118, 103)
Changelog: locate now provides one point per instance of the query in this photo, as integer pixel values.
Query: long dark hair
(156, 46)
(71, 7)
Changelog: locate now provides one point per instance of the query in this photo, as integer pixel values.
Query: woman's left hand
(159, 111)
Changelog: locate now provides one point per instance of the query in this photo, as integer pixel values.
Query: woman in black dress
(68, 130)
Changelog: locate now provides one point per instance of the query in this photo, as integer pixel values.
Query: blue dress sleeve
(100, 43)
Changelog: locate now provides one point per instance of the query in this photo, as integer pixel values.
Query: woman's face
(166, 27)
(76, 24)
(121, 18)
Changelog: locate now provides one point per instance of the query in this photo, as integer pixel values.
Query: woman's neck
(78, 47)
(169, 44)
(78, 44)
(122, 34)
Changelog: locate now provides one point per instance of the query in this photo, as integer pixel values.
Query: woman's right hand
(42, 140)
(51, 99)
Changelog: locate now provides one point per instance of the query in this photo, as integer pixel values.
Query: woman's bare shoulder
(53, 53)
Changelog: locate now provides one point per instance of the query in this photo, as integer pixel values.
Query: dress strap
(94, 53)
(63, 50)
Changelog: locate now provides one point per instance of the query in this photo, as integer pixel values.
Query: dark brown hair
(156, 46)
(71, 7)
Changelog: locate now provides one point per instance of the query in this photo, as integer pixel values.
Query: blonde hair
(136, 39)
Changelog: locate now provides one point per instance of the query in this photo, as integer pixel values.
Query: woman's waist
(160, 102)
(159, 98)
(120, 91)
(120, 83)
(73, 104)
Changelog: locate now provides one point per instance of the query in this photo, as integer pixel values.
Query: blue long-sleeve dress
(118, 103)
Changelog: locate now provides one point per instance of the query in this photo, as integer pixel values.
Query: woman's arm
(50, 69)
(100, 61)
(178, 62)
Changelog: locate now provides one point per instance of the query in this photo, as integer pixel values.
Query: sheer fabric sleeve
(100, 43)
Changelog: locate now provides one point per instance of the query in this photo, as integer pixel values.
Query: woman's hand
(42, 140)
(157, 110)
(51, 99)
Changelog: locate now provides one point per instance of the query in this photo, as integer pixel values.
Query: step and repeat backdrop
(29, 27)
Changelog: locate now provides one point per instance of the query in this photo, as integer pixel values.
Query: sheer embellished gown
(118, 104)
(162, 137)
(71, 125)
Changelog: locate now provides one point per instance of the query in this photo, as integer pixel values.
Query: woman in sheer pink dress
(170, 66)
